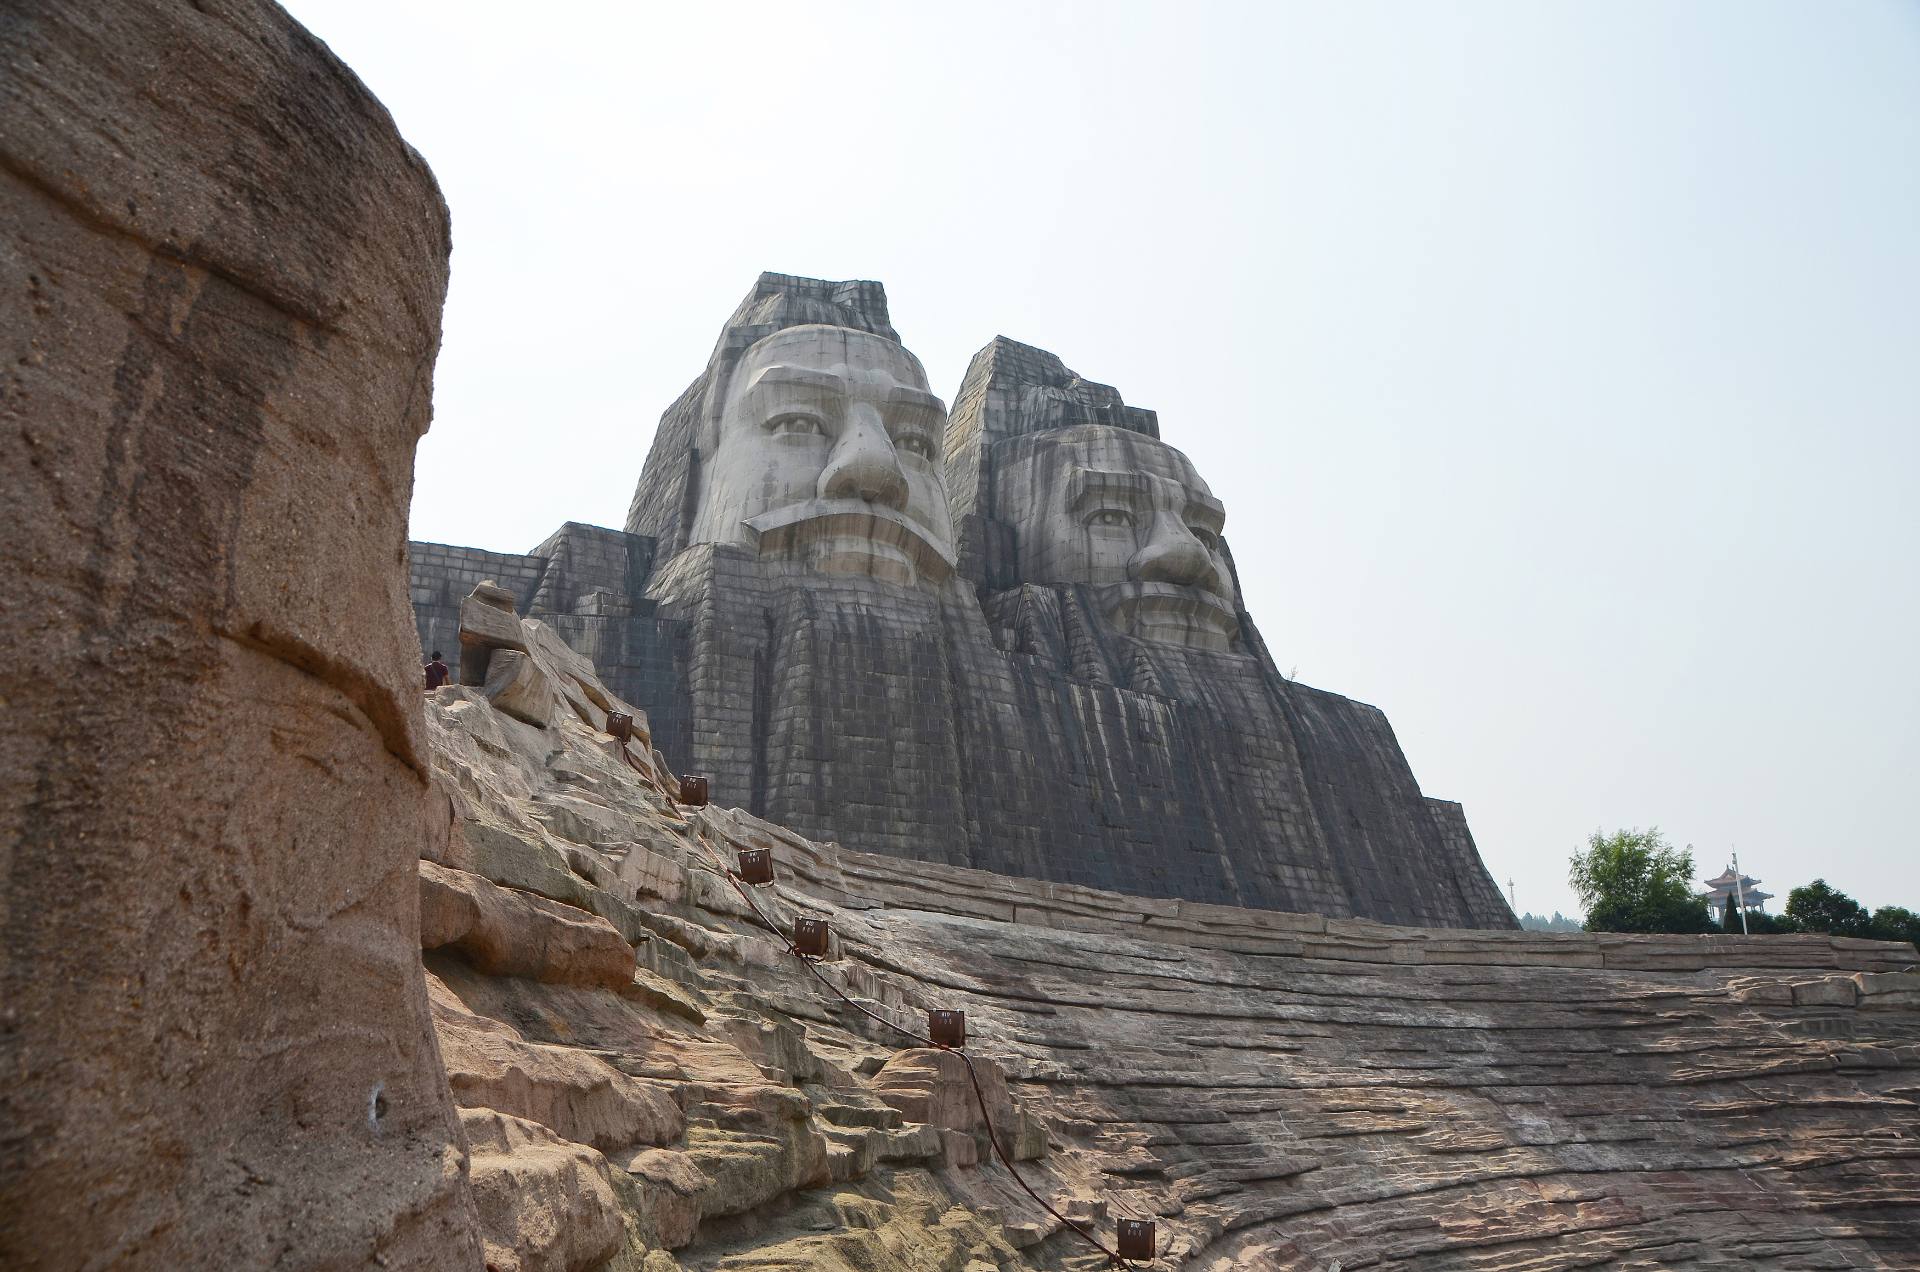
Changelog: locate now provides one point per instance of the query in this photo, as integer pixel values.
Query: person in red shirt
(437, 672)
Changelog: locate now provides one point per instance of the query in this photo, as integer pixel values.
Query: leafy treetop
(1635, 881)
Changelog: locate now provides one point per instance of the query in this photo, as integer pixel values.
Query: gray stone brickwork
(587, 583)
(1018, 646)
(441, 575)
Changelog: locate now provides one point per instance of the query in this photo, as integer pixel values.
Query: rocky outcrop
(269, 998)
(509, 933)
(546, 1205)
(224, 272)
(1279, 1091)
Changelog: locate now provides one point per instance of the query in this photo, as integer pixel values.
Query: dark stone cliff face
(890, 721)
(1172, 772)
(985, 721)
(223, 276)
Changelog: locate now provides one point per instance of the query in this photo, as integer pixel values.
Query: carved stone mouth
(1171, 614)
(852, 536)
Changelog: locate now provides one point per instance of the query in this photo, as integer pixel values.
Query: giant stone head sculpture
(1127, 515)
(810, 440)
(823, 447)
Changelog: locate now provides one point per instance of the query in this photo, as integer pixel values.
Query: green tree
(1895, 923)
(1820, 907)
(1635, 881)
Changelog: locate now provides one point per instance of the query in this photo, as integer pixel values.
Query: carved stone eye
(1111, 517)
(1208, 539)
(796, 425)
(914, 445)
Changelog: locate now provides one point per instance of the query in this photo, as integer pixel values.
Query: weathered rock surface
(529, 673)
(225, 868)
(933, 1088)
(507, 933)
(1280, 1091)
(577, 1094)
(1013, 639)
(545, 1205)
(223, 276)
(487, 624)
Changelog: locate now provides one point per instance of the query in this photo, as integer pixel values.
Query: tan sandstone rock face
(223, 276)
(1281, 1092)
(546, 1205)
(505, 932)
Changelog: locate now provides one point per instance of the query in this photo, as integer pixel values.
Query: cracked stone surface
(223, 272)
(1280, 1091)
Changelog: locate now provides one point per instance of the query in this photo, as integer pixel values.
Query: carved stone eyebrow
(781, 375)
(803, 377)
(1092, 485)
(1205, 510)
(905, 395)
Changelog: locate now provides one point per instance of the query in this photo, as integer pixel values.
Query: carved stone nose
(863, 465)
(1173, 555)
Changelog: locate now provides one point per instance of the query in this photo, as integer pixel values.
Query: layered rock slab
(224, 272)
(1279, 1091)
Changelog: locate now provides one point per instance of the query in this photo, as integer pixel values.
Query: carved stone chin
(852, 536)
(1171, 614)
(825, 452)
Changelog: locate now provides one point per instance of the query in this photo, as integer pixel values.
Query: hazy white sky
(1558, 364)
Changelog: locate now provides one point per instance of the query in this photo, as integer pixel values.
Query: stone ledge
(863, 880)
(506, 933)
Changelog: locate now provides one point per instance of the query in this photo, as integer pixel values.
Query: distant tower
(1732, 891)
(1511, 903)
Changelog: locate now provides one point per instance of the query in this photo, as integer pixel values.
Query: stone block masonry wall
(642, 658)
(827, 704)
(1480, 891)
(1205, 774)
(593, 595)
(591, 570)
(441, 575)
(587, 583)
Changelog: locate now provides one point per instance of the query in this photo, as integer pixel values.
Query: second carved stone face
(828, 455)
(1128, 515)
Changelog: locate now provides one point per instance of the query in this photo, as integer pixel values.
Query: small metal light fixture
(810, 938)
(620, 725)
(1136, 1239)
(693, 790)
(947, 1028)
(756, 866)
